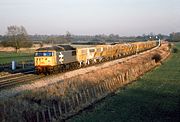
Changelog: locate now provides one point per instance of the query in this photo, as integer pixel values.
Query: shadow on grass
(135, 105)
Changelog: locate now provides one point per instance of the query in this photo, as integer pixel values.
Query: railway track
(18, 78)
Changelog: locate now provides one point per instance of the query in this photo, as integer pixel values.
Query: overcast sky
(90, 17)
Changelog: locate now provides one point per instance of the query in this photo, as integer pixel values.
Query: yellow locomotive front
(44, 60)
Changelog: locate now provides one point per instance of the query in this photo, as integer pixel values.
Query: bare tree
(17, 37)
(68, 36)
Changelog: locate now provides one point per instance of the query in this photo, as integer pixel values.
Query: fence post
(73, 103)
(97, 91)
(100, 90)
(81, 99)
(2, 112)
(70, 105)
(89, 97)
(94, 90)
(107, 87)
(49, 114)
(77, 99)
(84, 93)
(65, 107)
(104, 87)
(59, 108)
(37, 116)
(43, 115)
(54, 109)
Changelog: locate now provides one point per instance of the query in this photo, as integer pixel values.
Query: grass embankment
(7, 57)
(154, 97)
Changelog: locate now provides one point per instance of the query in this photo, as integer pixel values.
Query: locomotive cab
(50, 59)
(44, 60)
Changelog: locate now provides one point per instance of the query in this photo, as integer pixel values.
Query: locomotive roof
(57, 48)
(67, 47)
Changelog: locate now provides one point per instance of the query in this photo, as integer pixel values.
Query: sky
(91, 17)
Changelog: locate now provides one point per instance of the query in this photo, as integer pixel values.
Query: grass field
(7, 57)
(154, 97)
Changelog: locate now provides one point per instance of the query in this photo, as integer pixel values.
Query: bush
(174, 50)
(156, 57)
(170, 45)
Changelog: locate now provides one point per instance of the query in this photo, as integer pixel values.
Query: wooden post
(43, 115)
(104, 87)
(111, 87)
(90, 93)
(65, 107)
(2, 112)
(120, 80)
(81, 99)
(127, 75)
(100, 90)
(101, 87)
(84, 93)
(94, 92)
(54, 109)
(70, 104)
(89, 97)
(49, 114)
(73, 102)
(77, 99)
(37, 116)
(97, 91)
(107, 89)
(59, 108)
(123, 75)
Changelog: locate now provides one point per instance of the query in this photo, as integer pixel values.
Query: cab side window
(73, 53)
(91, 50)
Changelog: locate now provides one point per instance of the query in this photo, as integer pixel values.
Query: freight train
(59, 58)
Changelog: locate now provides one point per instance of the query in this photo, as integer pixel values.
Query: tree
(175, 37)
(17, 37)
(68, 36)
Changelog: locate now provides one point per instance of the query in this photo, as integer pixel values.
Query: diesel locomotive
(58, 58)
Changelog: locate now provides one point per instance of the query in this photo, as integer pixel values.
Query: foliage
(175, 37)
(156, 57)
(16, 37)
(56, 40)
(174, 50)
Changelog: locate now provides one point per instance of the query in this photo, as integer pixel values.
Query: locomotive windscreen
(44, 54)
